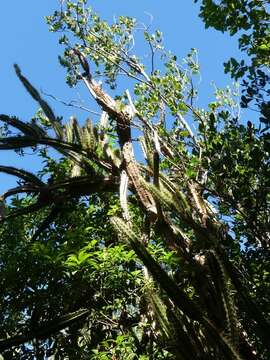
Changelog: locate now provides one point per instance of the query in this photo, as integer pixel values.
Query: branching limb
(22, 174)
(45, 330)
(46, 222)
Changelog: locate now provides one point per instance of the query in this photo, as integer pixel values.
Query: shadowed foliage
(148, 236)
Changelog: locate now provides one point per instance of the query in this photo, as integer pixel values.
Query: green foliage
(251, 20)
(104, 256)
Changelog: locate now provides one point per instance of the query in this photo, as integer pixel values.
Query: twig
(71, 104)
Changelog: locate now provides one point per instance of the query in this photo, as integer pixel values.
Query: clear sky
(25, 40)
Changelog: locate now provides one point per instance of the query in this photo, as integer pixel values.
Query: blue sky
(25, 40)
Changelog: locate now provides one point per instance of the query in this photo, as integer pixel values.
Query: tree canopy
(251, 20)
(147, 235)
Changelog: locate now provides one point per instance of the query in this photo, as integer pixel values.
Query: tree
(251, 20)
(111, 257)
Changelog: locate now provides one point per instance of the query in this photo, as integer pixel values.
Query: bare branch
(72, 103)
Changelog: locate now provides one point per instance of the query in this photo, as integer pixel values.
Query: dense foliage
(251, 20)
(158, 255)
